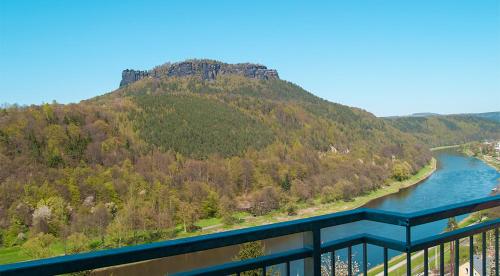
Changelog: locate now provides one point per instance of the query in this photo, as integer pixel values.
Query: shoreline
(326, 208)
(489, 162)
(446, 147)
(488, 159)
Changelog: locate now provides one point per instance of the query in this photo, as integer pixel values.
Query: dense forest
(444, 130)
(150, 159)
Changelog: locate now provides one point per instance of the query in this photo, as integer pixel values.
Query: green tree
(401, 171)
(39, 246)
(251, 250)
(450, 226)
(76, 243)
(226, 211)
(210, 206)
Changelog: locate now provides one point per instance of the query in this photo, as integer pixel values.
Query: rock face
(130, 76)
(204, 69)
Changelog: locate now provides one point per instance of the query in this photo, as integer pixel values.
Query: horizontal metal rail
(454, 235)
(131, 254)
(245, 265)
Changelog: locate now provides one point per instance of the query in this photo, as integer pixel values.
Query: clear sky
(390, 57)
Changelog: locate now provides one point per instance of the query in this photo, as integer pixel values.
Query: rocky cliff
(204, 69)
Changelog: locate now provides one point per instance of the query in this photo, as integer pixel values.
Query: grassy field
(16, 253)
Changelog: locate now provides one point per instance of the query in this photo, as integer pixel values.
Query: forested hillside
(492, 116)
(149, 160)
(442, 130)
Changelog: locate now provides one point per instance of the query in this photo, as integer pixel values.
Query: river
(458, 178)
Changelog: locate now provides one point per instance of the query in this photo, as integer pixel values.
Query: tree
(450, 226)
(188, 215)
(210, 206)
(100, 218)
(301, 190)
(401, 171)
(41, 218)
(251, 250)
(265, 200)
(76, 243)
(286, 183)
(116, 232)
(330, 194)
(39, 246)
(226, 211)
(347, 188)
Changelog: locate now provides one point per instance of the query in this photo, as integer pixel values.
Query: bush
(264, 201)
(348, 189)
(251, 250)
(329, 194)
(226, 211)
(301, 190)
(291, 209)
(38, 246)
(76, 243)
(401, 171)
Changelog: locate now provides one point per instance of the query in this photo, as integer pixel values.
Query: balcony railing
(312, 249)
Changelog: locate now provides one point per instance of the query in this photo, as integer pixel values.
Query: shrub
(264, 201)
(38, 246)
(76, 243)
(401, 171)
(291, 209)
(329, 194)
(301, 190)
(251, 250)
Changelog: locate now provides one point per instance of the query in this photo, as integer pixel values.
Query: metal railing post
(471, 255)
(312, 239)
(426, 262)
(483, 261)
(365, 259)
(496, 252)
(386, 262)
(408, 248)
(441, 259)
(457, 257)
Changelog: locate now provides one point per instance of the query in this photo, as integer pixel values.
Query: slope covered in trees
(152, 158)
(441, 130)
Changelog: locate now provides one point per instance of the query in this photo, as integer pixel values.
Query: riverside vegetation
(163, 156)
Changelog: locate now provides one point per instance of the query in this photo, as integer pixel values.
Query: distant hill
(438, 130)
(424, 114)
(493, 116)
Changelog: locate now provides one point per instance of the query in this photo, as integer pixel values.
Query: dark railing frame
(311, 252)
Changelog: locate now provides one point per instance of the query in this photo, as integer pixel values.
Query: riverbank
(445, 147)
(318, 208)
(490, 160)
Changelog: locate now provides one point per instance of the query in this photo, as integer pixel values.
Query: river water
(458, 178)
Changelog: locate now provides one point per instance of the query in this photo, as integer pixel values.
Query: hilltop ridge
(204, 69)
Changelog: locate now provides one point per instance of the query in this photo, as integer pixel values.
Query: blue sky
(389, 57)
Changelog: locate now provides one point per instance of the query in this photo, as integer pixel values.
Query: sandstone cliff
(204, 69)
